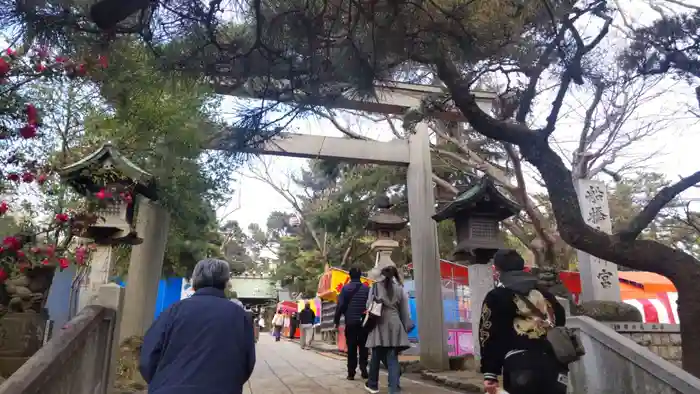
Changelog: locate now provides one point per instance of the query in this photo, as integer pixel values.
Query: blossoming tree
(30, 255)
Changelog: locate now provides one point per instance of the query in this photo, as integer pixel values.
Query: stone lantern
(112, 184)
(384, 225)
(477, 213)
(116, 182)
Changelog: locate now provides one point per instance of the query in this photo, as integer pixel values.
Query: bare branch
(579, 169)
(518, 232)
(265, 177)
(531, 91)
(329, 115)
(474, 160)
(573, 72)
(692, 219)
(445, 185)
(538, 220)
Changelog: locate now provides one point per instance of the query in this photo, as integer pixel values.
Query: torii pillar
(426, 259)
(145, 267)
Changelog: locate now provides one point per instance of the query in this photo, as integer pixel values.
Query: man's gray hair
(211, 273)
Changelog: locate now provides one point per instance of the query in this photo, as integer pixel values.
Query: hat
(508, 260)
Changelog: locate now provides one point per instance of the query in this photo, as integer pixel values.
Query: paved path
(282, 368)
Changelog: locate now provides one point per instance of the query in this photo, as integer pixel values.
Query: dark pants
(532, 372)
(278, 333)
(391, 355)
(356, 338)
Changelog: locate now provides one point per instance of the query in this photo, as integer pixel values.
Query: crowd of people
(209, 333)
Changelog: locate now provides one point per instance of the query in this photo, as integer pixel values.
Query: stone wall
(662, 339)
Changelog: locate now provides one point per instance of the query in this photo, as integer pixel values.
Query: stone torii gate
(414, 153)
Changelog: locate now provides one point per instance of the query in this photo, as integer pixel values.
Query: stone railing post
(111, 296)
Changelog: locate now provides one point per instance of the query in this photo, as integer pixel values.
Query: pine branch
(655, 205)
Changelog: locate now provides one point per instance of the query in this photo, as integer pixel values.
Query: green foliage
(669, 45)
(234, 248)
(298, 269)
(162, 121)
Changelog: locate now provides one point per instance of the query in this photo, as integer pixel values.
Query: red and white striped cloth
(663, 309)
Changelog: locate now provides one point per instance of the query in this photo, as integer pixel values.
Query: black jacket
(506, 324)
(202, 344)
(307, 316)
(352, 308)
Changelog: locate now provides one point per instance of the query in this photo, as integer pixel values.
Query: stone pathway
(282, 367)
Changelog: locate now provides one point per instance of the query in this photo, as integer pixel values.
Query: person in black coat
(203, 344)
(513, 338)
(307, 317)
(352, 302)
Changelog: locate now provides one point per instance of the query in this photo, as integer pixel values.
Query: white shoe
(370, 390)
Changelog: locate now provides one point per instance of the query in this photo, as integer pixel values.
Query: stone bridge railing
(81, 358)
(615, 363)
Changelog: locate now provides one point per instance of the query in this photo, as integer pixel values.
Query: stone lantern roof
(384, 219)
(482, 199)
(477, 212)
(78, 175)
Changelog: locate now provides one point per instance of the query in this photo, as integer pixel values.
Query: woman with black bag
(388, 321)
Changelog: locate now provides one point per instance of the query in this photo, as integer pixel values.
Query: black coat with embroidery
(506, 325)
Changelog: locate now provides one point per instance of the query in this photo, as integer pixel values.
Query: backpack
(565, 342)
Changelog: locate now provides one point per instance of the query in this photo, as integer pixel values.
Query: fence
(81, 358)
(616, 364)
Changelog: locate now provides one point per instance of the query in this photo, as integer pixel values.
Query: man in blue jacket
(352, 302)
(203, 344)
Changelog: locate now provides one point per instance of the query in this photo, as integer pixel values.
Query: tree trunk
(689, 314)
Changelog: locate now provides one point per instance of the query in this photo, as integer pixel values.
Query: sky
(672, 150)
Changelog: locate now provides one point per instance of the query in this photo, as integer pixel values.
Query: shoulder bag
(373, 313)
(565, 342)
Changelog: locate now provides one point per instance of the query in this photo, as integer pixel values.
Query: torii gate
(393, 99)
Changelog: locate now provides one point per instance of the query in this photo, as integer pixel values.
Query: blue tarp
(58, 302)
(169, 292)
